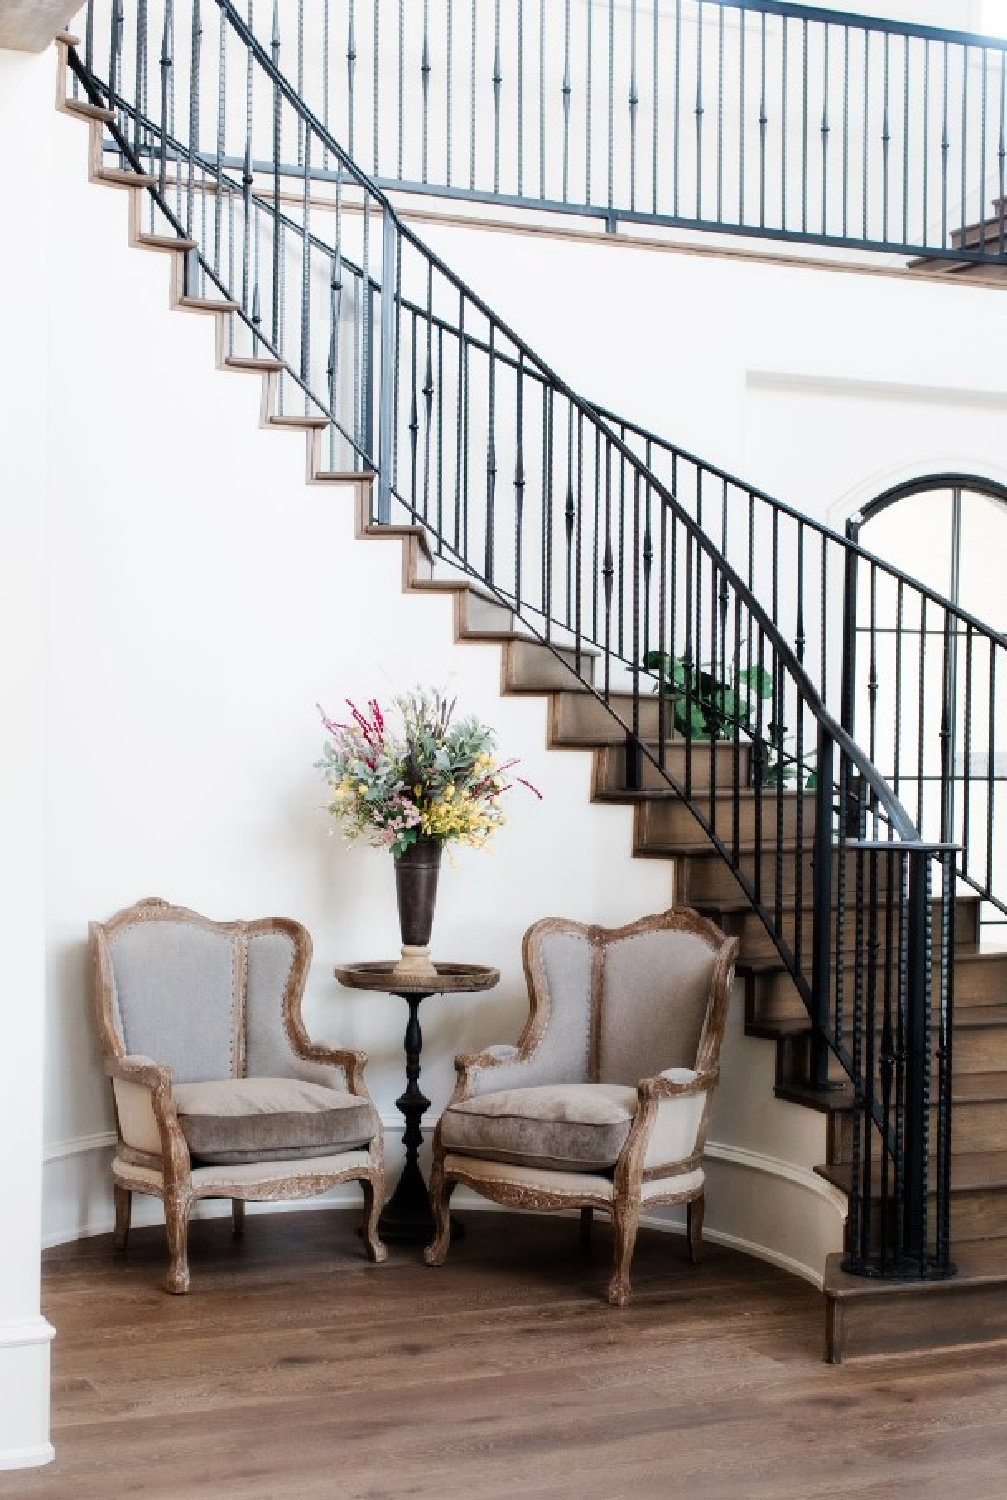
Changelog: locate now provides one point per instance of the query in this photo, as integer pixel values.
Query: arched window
(927, 696)
(950, 532)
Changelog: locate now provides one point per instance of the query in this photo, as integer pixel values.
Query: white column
(26, 85)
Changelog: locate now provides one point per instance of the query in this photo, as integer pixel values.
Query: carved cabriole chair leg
(625, 1221)
(440, 1200)
(238, 1217)
(694, 1219)
(177, 1208)
(377, 1251)
(123, 1210)
(586, 1225)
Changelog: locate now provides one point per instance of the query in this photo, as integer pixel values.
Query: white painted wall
(184, 599)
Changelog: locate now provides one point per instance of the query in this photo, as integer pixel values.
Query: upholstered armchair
(218, 1091)
(604, 1101)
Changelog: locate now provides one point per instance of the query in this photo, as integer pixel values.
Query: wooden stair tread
(307, 424)
(349, 476)
(125, 175)
(966, 1088)
(969, 1018)
(87, 110)
(248, 363)
(166, 242)
(826, 1101)
(209, 304)
(978, 1262)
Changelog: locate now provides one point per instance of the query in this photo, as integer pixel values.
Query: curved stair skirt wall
(757, 1204)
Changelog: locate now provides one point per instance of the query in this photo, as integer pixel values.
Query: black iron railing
(524, 487)
(916, 679)
(744, 116)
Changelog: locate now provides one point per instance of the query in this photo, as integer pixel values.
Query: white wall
(198, 599)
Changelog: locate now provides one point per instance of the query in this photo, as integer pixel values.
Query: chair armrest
(351, 1062)
(145, 1112)
(469, 1066)
(669, 1130)
(677, 1083)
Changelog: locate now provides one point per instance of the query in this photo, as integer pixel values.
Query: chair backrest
(615, 1005)
(209, 999)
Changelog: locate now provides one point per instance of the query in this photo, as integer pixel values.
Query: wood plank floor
(294, 1369)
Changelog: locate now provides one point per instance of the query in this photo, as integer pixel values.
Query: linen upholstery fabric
(219, 1181)
(562, 1127)
(268, 1053)
(174, 996)
(563, 1051)
(655, 993)
(270, 1119)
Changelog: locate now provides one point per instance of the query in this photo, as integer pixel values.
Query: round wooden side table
(407, 1218)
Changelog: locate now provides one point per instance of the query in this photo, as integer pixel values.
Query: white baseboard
(778, 1177)
(24, 1393)
(28, 1458)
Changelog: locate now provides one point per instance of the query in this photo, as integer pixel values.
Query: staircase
(602, 575)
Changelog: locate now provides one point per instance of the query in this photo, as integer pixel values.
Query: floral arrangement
(435, 778)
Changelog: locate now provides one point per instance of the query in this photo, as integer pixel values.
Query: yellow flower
(362, 788)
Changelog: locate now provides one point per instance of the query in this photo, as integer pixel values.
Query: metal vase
(416, 873)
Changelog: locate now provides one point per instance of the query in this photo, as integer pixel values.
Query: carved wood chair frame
(634, 1185)
(156, 1160)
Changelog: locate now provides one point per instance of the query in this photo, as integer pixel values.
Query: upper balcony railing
(751, 117)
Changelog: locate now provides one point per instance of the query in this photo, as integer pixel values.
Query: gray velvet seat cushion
(270, 1119)
(560, 1126)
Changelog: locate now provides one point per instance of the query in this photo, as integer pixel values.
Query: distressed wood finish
(664, 1184)
(172, 1180)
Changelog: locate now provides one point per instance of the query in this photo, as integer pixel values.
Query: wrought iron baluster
(634, 104)
(699, 110)
(425, 70)
(167, 85)
(945, 150)
(519, 481)
(720, 115)
(351, 75)
(763, 122)
(886, 138)
(277, 143)
(804, 126)
(497, 82)
(826, 130)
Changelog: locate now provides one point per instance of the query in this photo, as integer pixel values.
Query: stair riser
(988, 1056)
(976, 1215)
(757, 944)
(611, 768)
(531, 668)
(709, 878)
(980, 981)
(580, 720)
(671, 826)
(977, 1127)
